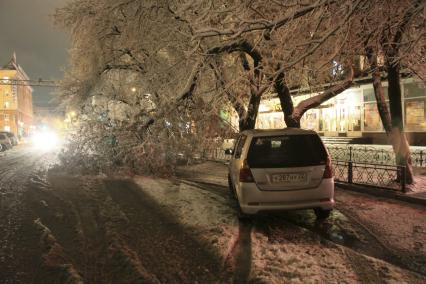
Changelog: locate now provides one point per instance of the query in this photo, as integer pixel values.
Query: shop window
(370, 97)
(354, 118)
(327, 119)
(372, 121)
(310, 120)
(271, 120)
(415, 114)
(413, 90)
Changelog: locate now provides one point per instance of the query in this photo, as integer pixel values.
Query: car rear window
(286, 151)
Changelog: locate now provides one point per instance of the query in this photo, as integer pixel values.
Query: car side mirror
(229, 152)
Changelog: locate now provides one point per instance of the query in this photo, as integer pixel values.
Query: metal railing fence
(378, 175)
(373, 154)
(367, 168)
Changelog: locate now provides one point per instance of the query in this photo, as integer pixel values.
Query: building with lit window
(16, 102)
(354, 113)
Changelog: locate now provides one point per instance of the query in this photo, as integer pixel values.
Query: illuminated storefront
(353, 113)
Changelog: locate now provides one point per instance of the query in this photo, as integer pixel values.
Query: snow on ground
(399, 225)
(265, 251)
(192, 206)
(88, 225)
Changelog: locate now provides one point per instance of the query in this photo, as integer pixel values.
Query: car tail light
(245, 173)
(328, 172)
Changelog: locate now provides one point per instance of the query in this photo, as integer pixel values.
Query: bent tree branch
(260, 25)
(293, 115)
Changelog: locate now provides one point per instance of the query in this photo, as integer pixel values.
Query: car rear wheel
(240, 214)
(322, 214)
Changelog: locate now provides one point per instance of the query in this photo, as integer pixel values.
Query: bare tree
(399, 39)
(169, 67)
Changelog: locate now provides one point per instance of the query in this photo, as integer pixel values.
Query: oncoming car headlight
(46, 140)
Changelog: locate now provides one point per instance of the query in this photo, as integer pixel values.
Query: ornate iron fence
(372, 154)
(385, 176)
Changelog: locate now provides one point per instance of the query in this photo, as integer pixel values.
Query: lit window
(6, 117)
(6, 105)
(415, 106)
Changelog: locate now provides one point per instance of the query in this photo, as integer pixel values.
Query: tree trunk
(285, 100)
(249, 121)
(391, 49)
(293, 115)
(379, 92)
(235, 102)
(398, 137)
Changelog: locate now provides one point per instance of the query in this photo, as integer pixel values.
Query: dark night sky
(26, 27)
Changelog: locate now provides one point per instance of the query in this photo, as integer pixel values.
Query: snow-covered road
(58, 228)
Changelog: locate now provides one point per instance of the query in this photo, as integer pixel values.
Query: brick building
(16, 103)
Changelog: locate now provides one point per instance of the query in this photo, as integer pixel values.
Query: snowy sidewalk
(292, 247)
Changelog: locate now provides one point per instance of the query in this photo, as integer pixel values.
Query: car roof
(278, 132)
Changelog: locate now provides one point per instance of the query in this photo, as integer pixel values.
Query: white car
(5, 142)
(281, 170)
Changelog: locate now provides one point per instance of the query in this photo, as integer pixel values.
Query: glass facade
(353, 111)
(414, 106)
(372, 121)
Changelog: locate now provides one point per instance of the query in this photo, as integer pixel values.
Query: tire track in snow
(17, 167)
(166, 249)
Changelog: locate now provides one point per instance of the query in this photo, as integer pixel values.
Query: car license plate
(289, 178)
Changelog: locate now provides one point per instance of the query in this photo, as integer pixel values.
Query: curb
(380, 192)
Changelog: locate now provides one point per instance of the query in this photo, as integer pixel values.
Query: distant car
(281, 170)
(11, 136)
(5, 142)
